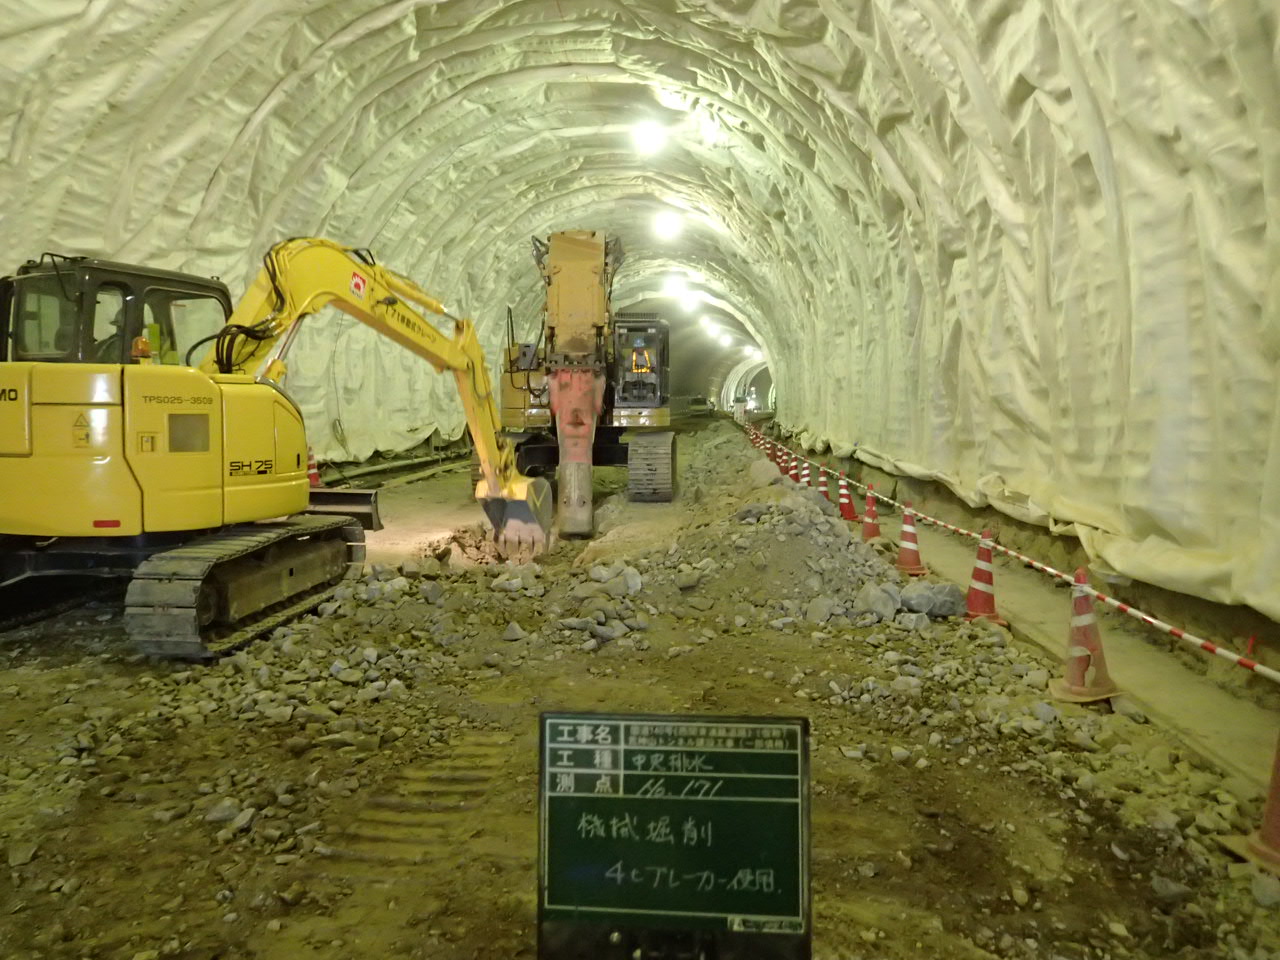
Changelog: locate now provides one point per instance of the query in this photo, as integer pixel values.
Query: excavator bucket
(522, 520)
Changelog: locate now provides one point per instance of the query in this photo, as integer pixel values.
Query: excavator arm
(304, 274)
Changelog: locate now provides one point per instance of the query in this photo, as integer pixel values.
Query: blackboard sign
(665, 838)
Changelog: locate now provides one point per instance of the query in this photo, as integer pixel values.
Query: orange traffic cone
(909, 547)
(794, 472)
(1263, 846)
(823, 487)
(780, 458)
(870, 519)
(1085, 676)
(980, 602)
(847, 510)
(313, 469)
(805, 479)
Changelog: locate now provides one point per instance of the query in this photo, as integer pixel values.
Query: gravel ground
(363, 782)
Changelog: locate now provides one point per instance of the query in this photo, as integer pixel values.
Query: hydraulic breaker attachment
(577, 394)
(522, 521)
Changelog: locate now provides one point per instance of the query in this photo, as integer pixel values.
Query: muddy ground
(363, 784)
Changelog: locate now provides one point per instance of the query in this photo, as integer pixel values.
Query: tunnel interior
(1024, 250)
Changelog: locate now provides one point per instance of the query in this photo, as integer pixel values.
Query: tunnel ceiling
(1020, 247)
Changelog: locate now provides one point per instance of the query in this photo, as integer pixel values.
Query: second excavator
(119, 457)
(593, 389)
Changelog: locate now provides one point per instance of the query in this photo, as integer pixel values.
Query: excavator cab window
(640, 354)
(176, 320)
(109, 337)
(43, 322)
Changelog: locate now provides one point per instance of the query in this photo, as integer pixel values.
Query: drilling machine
(593, 389)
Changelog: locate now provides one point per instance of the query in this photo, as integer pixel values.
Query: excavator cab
(83, 310)
(641, 363)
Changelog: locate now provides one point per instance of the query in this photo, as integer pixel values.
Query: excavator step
(212, 595)
(651, 467)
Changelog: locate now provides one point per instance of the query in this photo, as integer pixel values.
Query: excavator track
(651, 467)
(213, 595)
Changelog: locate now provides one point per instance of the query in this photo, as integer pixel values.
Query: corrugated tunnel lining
(1020, 248)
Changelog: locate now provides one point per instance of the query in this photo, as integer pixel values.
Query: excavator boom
(302, 275)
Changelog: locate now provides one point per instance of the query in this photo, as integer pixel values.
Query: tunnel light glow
(725, 339)
(667, 224)
(648, 137)
(690, 300)
(709, 325)
(673, 99)
(674, 286)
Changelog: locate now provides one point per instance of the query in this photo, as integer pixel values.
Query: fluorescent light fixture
(648, 137)
(667, 224)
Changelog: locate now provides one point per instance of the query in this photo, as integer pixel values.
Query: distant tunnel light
(725, 339)
(690, 300)
(709, 325)
(674, 286)
(667, 224)
(648, 137)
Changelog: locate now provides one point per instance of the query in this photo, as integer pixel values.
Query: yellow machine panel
(577, 291)
(173, 442)
(524, 394)
(74, 482)
(636, 417)
(15, 410)
(264, 451)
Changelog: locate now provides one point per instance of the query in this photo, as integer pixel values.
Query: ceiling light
(725, 340)
(648, 137)
(673, 286)
(667, 224)
(690, 300)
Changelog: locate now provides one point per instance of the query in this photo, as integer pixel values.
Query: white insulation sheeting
(1018, 247)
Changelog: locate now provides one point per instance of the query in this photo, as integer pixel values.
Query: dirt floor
(363, 783)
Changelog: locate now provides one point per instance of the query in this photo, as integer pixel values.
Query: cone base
(1059, 689)
(995, 618)
(1253, 849)
(872, 533)
(912, 571)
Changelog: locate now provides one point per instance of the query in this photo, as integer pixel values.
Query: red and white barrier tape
(1179, 634)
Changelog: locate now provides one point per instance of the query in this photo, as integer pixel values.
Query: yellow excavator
(120, 456)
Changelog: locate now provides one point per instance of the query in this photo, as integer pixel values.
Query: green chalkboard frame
(724, 915)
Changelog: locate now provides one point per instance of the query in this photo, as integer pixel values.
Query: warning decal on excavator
(358, 283)
(80, 432)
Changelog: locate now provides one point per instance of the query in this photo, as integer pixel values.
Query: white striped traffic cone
(823, 487)
(794, 471)
(909, 547)
(980, 602)
(805, 479)
(870, 519)
(847, 510)
(313, 469)
(1085, 677)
